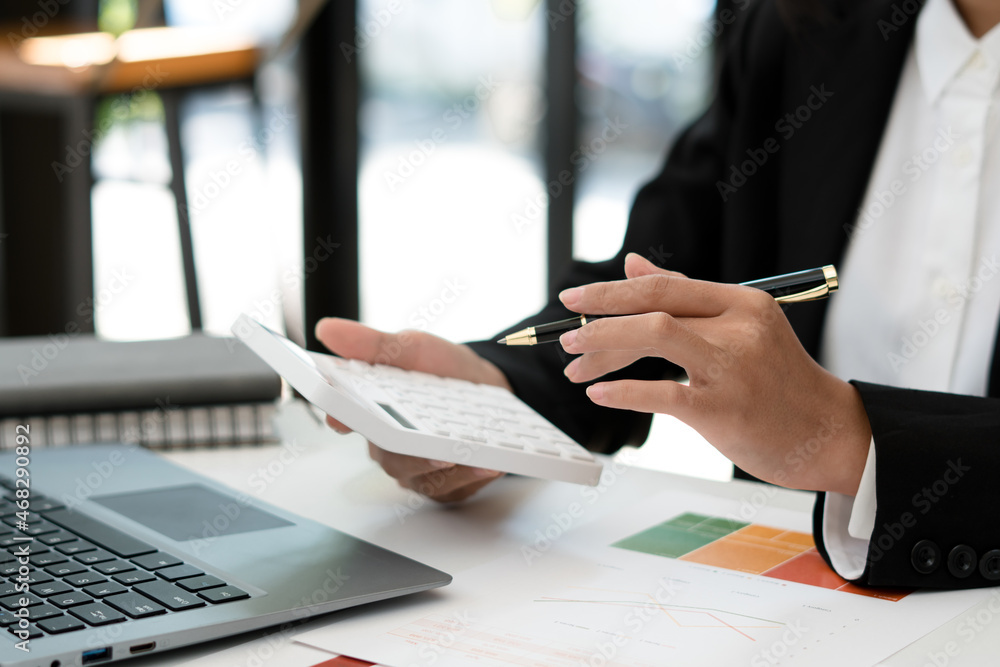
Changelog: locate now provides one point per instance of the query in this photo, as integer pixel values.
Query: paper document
(682, 580)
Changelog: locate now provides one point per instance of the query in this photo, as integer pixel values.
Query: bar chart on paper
(724, 542)
(657, 585)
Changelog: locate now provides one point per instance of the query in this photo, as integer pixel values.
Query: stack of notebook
(194, 390)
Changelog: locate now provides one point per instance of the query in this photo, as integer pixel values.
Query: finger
(404, 467)
(452, 484)
(593, 365)
(662, 396)
(637, 265)
(353, 340)
(676, 295)
(337, 426)
(464, 492)
(654, 334)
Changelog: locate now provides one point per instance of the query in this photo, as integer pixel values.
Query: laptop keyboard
(84, 573)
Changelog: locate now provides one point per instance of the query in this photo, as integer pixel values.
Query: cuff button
(989, 566)
(962, 561)
(926, 556)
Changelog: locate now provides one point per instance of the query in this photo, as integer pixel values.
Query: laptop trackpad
(191, 512)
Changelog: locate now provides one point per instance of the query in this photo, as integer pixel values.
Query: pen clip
(816, 293)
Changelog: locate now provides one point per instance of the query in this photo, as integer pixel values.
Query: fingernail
(571, 296)
(440, 465)
(572, 369)
(595, 392)
(482, 473)
(568, 338)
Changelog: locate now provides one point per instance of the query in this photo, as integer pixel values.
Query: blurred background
(395, 157)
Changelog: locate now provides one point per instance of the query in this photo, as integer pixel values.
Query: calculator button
(510, 444)
(473, 435)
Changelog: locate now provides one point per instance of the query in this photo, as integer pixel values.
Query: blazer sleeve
(676, 222)
(936, 523)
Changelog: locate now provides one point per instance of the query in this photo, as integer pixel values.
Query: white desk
(330, 479)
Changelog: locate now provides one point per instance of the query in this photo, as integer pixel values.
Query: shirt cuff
(848, 523)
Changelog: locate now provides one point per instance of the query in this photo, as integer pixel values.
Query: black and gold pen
(798, 287)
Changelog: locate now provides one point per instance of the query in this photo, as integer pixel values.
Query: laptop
(125, 554)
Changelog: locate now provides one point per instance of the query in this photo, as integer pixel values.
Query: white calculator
(420, 414)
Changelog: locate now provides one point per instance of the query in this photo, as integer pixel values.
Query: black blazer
(748, 191)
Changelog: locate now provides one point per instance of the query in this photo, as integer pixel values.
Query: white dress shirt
(920, 294)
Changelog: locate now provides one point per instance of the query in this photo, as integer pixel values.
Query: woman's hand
(418, 351)
(754, 392)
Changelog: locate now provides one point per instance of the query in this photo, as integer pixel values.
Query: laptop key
(12, 540)
(95, 531)
(85, 579)
(32, 631)
(105, 589)
(195, 584)
(13, 602)
(10, 570)
(44, 504)
(224, 594)
(170, 596)
(7, 618)
(59, 624)
(70, 599)
(37, 577)
(97, 614)
(43, 611)
(65, 569)
(31, 518)
(40, 529)
(58, 537)
(156, 560)
(75, 547)
(113, 566)
(95, 556)
(179, 572)
(133, 577)
(135, 605)
(49, 558)
(51, 588)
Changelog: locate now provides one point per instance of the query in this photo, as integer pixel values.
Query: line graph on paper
(679, 616)
(596, 623)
